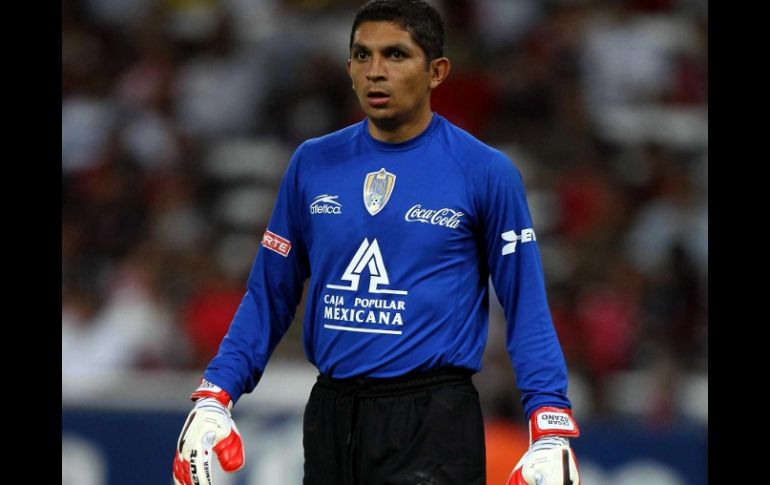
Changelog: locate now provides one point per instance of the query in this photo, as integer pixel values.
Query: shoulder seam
(338, 142)
(465, 169)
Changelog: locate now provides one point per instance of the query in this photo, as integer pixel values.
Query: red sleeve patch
(276, 243)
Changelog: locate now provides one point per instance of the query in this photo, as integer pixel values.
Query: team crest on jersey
(377, 189)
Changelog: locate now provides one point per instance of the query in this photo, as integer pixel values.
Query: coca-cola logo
(439, 217)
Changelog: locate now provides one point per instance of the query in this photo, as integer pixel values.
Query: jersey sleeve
(513, 259)
(273, 291)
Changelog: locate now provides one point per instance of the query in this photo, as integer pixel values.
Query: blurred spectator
(208, 313)
(591, 207)
(626, 59)
(87, 123)
(675, 214)
(500, 23)
(607, 313)
(174, 218)
(219, 89)
(131, 327)
(466, 99)
(117, 13)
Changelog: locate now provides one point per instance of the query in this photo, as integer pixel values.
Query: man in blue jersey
(398, 221)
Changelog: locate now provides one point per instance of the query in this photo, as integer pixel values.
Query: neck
(395, 131)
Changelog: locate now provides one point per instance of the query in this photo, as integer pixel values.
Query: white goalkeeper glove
(550, 460)
(209, 426)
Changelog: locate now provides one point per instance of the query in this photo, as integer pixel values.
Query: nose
(376, 70)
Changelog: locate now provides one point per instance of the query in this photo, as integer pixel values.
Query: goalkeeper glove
(209, 426)
(550, 460)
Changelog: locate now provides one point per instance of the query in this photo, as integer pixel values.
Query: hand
(550, 460)
(209, 426)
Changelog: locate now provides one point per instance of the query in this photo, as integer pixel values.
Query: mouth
(377, 98)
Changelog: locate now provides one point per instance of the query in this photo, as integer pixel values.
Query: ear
(347, 68)
(439, 70)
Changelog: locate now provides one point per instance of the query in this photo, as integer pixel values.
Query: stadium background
(178, 120)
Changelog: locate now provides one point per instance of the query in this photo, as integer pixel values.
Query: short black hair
(420, 19)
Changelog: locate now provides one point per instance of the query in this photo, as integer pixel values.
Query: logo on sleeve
(276, 243)
(326, 204)
(512, 238)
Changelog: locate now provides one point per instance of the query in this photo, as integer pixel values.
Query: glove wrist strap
(209, 389)
(552, 421)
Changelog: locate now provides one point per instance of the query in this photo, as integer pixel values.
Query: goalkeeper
(397, 221)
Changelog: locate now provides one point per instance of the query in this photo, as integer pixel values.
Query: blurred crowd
(179, 118)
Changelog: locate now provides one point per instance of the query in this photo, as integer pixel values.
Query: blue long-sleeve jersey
(398, 241)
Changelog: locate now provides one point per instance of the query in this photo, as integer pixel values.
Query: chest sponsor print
(444, 217)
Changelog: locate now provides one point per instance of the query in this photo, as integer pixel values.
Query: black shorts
(419, 429)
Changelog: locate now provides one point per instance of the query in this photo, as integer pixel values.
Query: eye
(397, 55)
(361, 55)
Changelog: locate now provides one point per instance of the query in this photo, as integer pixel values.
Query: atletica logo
(439, 217)
(326, 204)
(527, 235)
(368, 255)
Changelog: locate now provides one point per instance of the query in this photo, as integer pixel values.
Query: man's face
(390, 74)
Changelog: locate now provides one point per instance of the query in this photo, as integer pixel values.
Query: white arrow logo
(368, 255)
